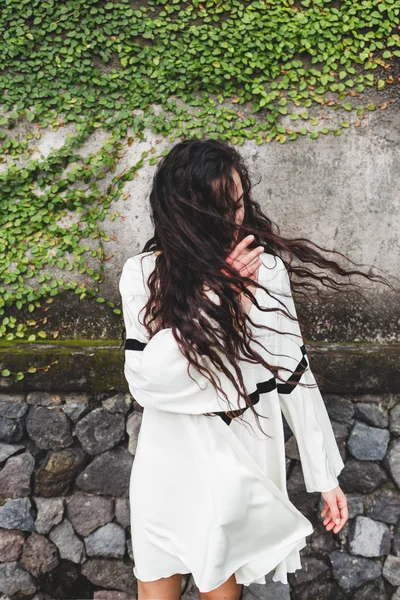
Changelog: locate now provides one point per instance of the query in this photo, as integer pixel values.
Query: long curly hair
(193, 208)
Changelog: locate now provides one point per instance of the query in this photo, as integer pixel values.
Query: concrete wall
(342, 192)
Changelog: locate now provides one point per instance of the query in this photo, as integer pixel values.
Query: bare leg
(229, 590)
(166, 588)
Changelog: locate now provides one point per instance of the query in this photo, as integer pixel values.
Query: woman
(213, 345)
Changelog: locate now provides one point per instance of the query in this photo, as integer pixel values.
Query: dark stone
(368, 443)
(120, 403)
(396, 539)
(15, 580)
(373, 414)
(43, 399)
(355, 504)
(368, 537)
(11, 542)
(122, 511)
(107, 541)
(66, 582)
(322, 540)
(110, 574)
(68, 543)
(7, 450)
(13, 406)
(37, 453)
(385, 506)
(341, 433)
(57, 473)
(11, 430)
(108, 474)
(17, 514)
(49, 513)
(392, 461)
(304, 501)
(352, 571)
(15, 476)
(295, 483)
(362, 476)
(395, 419)
(76, 406)
(112, 595)
(391, 570)
(314, 590)
(371, 591)
(39, 555)
(291, 448)
(100, 430)
(50, 428)
(339, 409)
(311, 568)
(87, 513)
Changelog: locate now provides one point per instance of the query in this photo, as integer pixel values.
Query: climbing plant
(268, 71)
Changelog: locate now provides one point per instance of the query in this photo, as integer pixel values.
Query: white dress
(208, 495)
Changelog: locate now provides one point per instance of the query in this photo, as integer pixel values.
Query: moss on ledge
(98, 366)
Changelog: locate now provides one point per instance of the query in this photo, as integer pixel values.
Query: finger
(325, 509)
(245, 259)
(250, 268)
(251, 275)
(239, 248)
(337, 528)
(334, 510)
(332, 526)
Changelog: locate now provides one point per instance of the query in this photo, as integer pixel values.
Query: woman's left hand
(336, 503)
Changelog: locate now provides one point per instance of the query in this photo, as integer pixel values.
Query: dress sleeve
(303, 407)
(156, 369)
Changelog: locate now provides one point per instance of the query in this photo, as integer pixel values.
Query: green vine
(262, 71)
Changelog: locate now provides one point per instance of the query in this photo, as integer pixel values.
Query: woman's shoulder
(135, 271)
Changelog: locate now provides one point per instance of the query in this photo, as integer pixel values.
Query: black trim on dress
(263, 387)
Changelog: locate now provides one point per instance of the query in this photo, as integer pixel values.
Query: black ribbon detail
(132, 344)
(286, 388)
(262, 388)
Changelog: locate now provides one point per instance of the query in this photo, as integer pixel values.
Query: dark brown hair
(193, 210)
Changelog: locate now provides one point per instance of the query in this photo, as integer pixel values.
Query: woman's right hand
(335, 509)
(247, 263)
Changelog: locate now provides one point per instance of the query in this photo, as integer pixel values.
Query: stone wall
(65, 461)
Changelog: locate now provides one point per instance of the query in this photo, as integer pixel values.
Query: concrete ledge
(97, 366)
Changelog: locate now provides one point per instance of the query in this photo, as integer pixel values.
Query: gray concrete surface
(342, 192)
